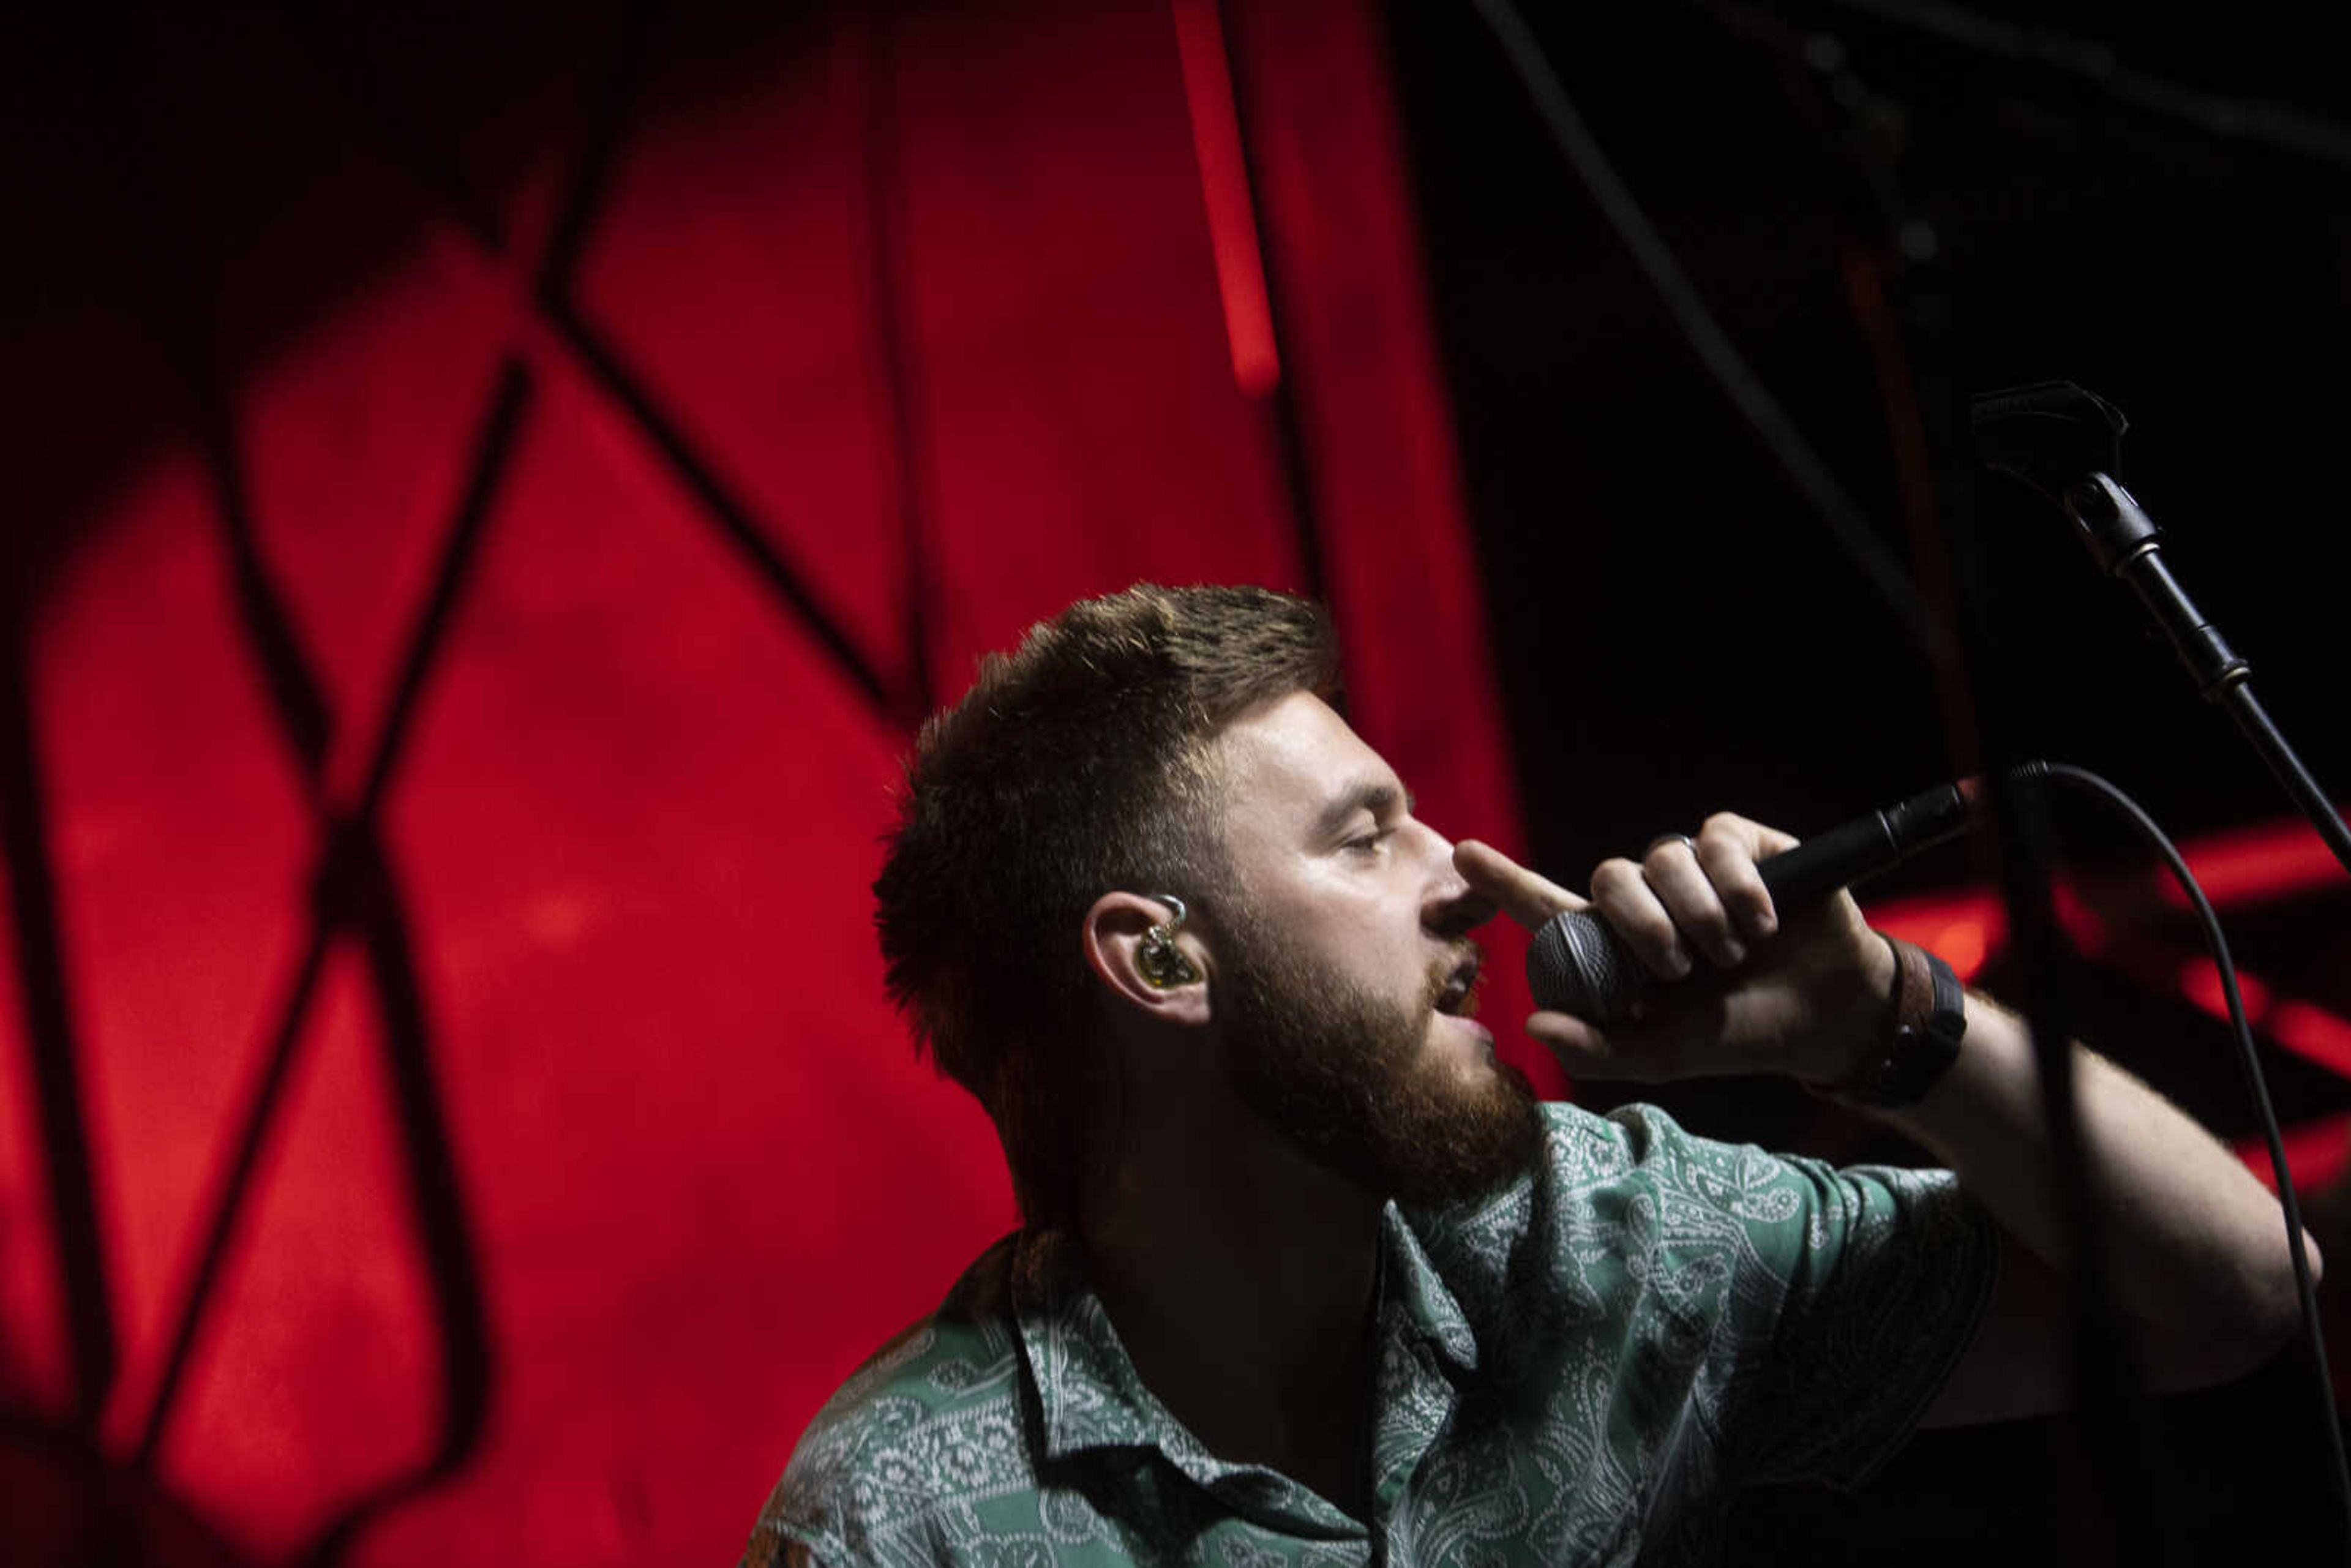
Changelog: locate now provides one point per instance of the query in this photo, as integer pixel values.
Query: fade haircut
(1078, 765)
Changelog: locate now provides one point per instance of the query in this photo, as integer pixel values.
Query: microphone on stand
(1578, 964)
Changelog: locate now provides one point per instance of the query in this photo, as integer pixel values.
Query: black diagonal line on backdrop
(350, 845)
(370, 893)
(734, 520)
(226, 1202)
(627, 70)
(492, 448)
(887, 253)
(575, 222)
(49, 1027)
(302, 711)
(395, 139)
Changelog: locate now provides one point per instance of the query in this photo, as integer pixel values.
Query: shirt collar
(1092, 1399)
(1086, 1390)
(1089, 1396)
(1416, 1301)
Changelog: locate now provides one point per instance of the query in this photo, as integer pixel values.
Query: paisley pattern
(1577, 1369)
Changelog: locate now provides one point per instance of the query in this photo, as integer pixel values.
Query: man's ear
(1128, 947)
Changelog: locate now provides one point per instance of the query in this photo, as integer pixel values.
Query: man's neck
(1242, 1290)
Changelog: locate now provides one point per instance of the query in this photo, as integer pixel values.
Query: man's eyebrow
(1380, 797)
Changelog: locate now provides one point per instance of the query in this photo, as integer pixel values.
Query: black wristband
(1927, 1018)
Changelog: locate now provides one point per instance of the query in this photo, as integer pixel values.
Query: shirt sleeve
(1881, 1275)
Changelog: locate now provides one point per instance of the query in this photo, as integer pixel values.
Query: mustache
(1441, 972)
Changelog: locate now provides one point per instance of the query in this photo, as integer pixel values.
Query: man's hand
(1744, 990)
(2196, 1255)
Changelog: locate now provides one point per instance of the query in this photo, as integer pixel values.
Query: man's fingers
(1693, 895)
(1622, 890)
(1672, 871)
(1524, 896)
(1728, 848)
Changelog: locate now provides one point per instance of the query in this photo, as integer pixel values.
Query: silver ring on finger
(1664, 839)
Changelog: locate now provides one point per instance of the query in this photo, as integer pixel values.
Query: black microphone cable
(2256, 1090)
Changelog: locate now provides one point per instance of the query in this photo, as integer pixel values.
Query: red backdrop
(860, 353)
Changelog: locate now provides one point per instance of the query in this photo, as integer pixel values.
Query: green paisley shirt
(1577, 1369)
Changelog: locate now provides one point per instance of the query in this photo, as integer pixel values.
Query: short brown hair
(1075, 767)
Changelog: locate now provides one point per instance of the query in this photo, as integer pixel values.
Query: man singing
(1308, 1275)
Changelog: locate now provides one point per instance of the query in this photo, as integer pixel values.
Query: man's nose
(1452, 910)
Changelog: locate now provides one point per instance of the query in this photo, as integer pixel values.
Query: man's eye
(1369, 843)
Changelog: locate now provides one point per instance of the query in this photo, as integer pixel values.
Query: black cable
(2257, 1091)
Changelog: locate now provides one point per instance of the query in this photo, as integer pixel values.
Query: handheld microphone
(1577, 964)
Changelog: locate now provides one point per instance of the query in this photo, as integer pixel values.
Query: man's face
(1344, 988)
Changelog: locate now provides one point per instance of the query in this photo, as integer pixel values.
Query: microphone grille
(1577, 965)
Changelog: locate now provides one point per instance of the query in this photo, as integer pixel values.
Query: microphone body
(1577, 964)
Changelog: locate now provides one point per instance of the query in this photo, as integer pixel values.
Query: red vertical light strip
(1225, 190)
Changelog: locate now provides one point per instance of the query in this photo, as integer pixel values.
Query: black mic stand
(2065, 443)
(2123, 538)
(1909, 317)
